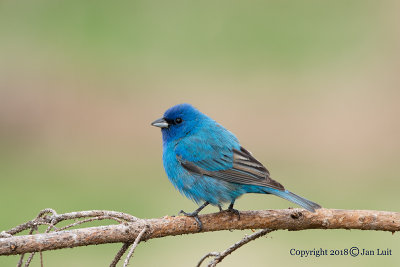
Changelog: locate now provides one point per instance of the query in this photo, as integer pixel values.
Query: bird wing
(219, 161)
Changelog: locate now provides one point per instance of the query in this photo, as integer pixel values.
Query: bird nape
(207, 164)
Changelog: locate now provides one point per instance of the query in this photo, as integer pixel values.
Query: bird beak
(162, 123)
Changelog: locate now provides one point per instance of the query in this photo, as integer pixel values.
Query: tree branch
(137, 240)
(219, 256)
(129, 230)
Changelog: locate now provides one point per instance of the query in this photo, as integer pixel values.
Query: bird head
(178, 121)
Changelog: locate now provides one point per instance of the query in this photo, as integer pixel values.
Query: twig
(210, 254)
(119, 254)
(28, 261)
(41, 259)
(137, 240)
(90, 220)
(56, 218)
(96, 213)
(21, 259)
(43, 219)
(220, 256)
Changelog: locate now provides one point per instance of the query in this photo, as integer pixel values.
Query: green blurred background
(310, 87)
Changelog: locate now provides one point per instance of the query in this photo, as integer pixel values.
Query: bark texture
(128, 231)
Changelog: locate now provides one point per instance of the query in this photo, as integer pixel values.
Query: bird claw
(184, 213)
(195, 216)
(234, 211)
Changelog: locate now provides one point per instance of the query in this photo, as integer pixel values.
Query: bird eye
(178, 120)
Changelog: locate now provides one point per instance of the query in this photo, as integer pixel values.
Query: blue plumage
(207, 164)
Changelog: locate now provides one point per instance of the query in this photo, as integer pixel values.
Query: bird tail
(301, 201)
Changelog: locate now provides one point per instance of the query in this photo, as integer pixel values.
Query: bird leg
(231, 209)
(195, 214)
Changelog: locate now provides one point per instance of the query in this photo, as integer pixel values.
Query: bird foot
(234, 211)
(194, 215)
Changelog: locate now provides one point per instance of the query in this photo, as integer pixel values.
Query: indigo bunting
(207, 164)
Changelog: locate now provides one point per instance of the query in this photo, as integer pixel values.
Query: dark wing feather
(245, 170)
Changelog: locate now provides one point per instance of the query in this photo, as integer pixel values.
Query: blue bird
(207, 164)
